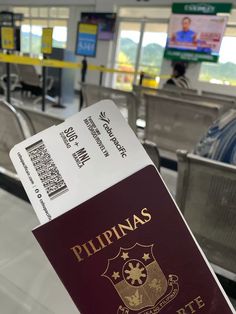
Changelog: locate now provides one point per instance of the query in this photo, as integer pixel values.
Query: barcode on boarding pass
(46, 169)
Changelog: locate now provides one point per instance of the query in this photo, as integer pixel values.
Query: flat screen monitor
(196, 33)
(106, 23)
(86, 39)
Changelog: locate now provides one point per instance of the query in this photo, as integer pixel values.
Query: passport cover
(128, 251)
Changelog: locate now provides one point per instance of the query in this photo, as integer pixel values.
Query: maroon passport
(128, 250)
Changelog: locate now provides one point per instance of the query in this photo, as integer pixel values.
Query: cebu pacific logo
(204, 8)
(113, 138)
(139, 281)
(103, 117)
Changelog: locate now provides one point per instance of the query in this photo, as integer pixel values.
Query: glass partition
(142, 33)
(152, 50)
(126, 53)
(223, 72)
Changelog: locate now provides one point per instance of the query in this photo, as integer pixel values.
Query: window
(152, 50)
(25, 36)
(59, 33)
(140, 45)
(36, 18)
(129, 37)
(223, 72)
(36, 34)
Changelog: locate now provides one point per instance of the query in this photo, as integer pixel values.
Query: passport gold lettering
(95, 250)
(77, 250)
(127, 227)
(100, 241)
(137, 221)
(86, 249)
(192, 307)
(199, 302)
(116, 233)
(109, 236)
(146, 214)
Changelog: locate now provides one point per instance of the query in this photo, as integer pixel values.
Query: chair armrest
(50, 81)
(14, 79)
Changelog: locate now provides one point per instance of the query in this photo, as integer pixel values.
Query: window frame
(47, 19)
(142, 23)
(229, 25)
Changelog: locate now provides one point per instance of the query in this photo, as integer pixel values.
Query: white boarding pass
(65, 165)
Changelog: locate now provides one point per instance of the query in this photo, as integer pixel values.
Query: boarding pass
(65, 165)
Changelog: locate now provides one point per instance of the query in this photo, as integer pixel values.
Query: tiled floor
(70, 108)
(28, 284)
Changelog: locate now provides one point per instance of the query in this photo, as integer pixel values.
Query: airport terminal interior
(170, 68)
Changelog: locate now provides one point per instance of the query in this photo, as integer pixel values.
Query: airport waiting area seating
(14, 81)
(197, 94)
(13, 130)
(139, 92)
(25, 78)
(217, 95)
(38, 121)
(205, 189)
(173, 123)
(29, 79)
(125, 101)
(227, 102)
(14, 78)
(26, 122)
(16, 124)
(167, 119)
(206, 195)
(31, 82)
(153, 152)
(176, 89)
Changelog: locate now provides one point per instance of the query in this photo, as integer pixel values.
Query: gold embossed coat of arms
(139, 280)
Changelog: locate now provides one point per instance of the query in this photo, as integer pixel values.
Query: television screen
(106, 23)
(196, 33)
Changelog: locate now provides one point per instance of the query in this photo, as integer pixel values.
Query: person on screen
(186, 35)
(178, 77)
(219, 143)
